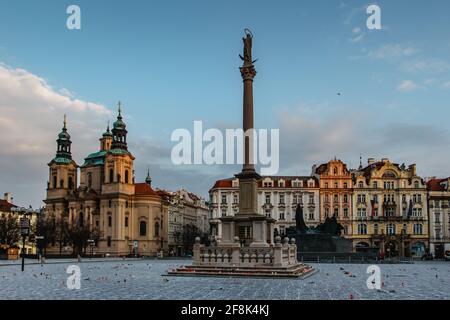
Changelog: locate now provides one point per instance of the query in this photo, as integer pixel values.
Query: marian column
(248, 178)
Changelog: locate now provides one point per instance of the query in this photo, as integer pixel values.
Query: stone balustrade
(280, 254)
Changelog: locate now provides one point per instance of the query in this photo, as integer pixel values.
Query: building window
(109, 203)
(375, 185)
(360, 184)
(390, 229)
(109, 221)
(267, 198)
(437, 218)
(362, 228)
(156, 229)
(416, 185)
(311, 215)
(89, 176)
(345, 185)
(326, 200)
(418, 228)
(61, 183)
(235, 198)
(336, 212)
(326, 185)
(126, 222)
(54, 182)
(311, 198)
(375, 228)
(345, 198)
(336, 199)
(126, 176)
(108, 240)
(345, 212)
(327, 212)
(281, 198)
(281, 215)
(111, 175)
(142, 228)
(70, 183)
(361, 212)
(336, 185)
(97, 223)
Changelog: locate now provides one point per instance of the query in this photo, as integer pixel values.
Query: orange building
(335, 193)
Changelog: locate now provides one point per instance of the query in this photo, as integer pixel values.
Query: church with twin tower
(130, 217)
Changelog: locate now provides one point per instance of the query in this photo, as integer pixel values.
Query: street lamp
(24, 226)
(39, 244)
(91, 244)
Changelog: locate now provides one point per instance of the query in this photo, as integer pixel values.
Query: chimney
(7, 196)
(370, 161)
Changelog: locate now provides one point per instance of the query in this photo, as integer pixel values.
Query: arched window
(142, 228)
(70, 183)
(54, 182)
(111, 175)
(61, 183)
(416, 184)
(360, 184)
(362, 228)
(418, 228)
(109, 220)
(81, 219)
(375, 228)
(126, 176)
(89, 180)
(156, 229)
(390, 229)
(118, 178)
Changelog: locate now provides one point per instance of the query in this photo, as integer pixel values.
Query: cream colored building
(131, 217)
(185, 208)
(278, 197)
(439, 210)
(390, 209)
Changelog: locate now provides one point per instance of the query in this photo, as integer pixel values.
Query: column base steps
(299, 270)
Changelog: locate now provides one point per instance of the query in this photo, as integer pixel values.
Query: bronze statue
(247, 58)
(299, 220)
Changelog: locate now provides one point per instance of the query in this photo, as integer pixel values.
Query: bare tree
(9, 230)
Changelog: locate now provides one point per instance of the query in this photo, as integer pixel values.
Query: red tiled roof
(225, 183)
(5, 206)
(144, 189)
(436, 185)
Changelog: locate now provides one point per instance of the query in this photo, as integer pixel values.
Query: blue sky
(173, 62)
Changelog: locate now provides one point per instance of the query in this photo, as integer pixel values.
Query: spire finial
(148, 179)
(360, 162)
(120, 107)
(107, 128)
(65, 122)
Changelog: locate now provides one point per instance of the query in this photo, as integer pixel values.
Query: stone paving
(141, 279)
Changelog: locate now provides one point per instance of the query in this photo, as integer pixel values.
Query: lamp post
(39, 245)
(24, 226)
(91, 244)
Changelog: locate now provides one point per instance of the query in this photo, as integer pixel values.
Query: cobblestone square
(142, 279)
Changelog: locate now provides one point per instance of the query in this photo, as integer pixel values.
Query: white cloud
(407, 86)
(31, 115)
(392, 51)
(426, 66)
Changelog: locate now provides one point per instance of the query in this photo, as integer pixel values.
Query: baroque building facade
(390, 209)
(185, 208)
(439, 215)
(130, 217)
(336, 193)
(278, 197)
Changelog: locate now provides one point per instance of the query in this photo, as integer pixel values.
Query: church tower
(62, 172)
(119, 161)
(106, 140)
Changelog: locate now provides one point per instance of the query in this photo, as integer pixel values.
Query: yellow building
(390, 209)
(131, 217)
